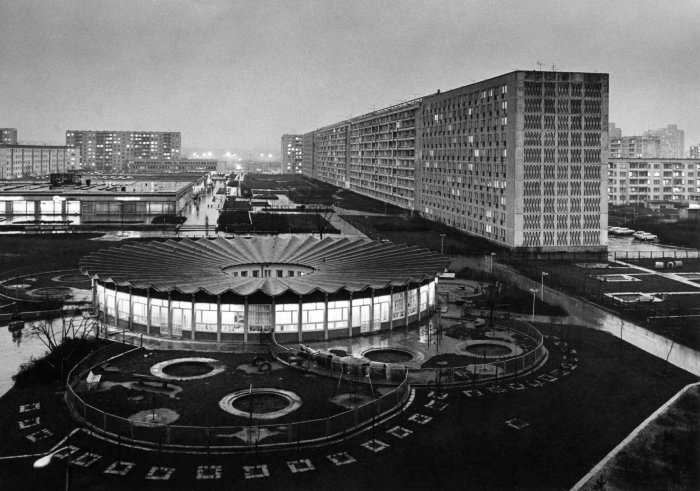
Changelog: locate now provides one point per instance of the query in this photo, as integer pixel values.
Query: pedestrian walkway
(588, 314)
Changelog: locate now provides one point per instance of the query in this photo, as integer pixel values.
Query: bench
(150, 378)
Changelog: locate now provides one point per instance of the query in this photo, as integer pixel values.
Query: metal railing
(665, 254)
(394, 373)
(491, 370)
(228, 438)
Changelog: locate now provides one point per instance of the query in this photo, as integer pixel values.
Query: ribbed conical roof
(191, 266)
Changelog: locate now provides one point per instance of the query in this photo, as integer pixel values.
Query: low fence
(96, 358)
(229, 438)
(665, 254)
(492, 370)
(394, 373)
(328, 364)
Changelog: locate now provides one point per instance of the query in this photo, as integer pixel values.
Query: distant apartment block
(635, 181)
(613, 131)
(695, 151)
(173, 166)
(110, 151)
(635, 147)
(291, 153)
(18, 161)
(519, 159)
(671, 141)
(8, 136)
(664, 143)
(307, 154)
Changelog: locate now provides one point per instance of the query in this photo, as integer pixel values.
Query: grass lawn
(202, 396)
(572, 424)
(689, 264)
(663, 455)
(665, 318)
(420, 232)
(349, 200)
(295, 223)
(71, 278)
(64, 250)
(507, 297)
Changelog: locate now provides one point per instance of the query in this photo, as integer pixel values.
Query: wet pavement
(620, 245)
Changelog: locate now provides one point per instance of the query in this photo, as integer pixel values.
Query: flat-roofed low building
(21, 161)
(174, 166)
(637, 181)
(93, 198)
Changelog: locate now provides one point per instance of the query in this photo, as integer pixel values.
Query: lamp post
(534, 296)
(44, 461)
(121, 217)
(490, 256)
(544, 273)
(442, 243)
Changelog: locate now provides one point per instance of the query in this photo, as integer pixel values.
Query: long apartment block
(519, 159)
(636, 181)
(110, 151)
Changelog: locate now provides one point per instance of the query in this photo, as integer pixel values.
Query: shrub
(48, 368)
(169, 219)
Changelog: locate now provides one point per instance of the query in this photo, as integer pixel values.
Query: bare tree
(491, 290)
(322, 218)
(57, 333)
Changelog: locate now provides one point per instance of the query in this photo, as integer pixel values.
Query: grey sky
(237, 74)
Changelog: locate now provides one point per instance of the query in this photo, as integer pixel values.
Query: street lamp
(490, 256)
(42, 462)
(534, 295)
(442, 243)
(544, 273)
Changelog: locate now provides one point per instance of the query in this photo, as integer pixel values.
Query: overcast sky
(233, 74)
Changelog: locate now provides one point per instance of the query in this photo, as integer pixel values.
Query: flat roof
(131, 187)
(655, 159)
(20, 145)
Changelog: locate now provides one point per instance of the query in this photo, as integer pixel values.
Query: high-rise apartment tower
(291, 153)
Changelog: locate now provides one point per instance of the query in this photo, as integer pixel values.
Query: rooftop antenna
(540, 64)
(554, 67)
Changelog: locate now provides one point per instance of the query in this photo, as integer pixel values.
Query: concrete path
(590, 315)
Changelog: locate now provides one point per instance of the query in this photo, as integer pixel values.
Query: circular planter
(391, 355)
(489, 349)
(266, 403)
(189, 368)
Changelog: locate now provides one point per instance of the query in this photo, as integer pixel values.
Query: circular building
(225, 290)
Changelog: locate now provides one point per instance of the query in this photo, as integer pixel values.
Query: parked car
(647, 237)
(624, 231)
